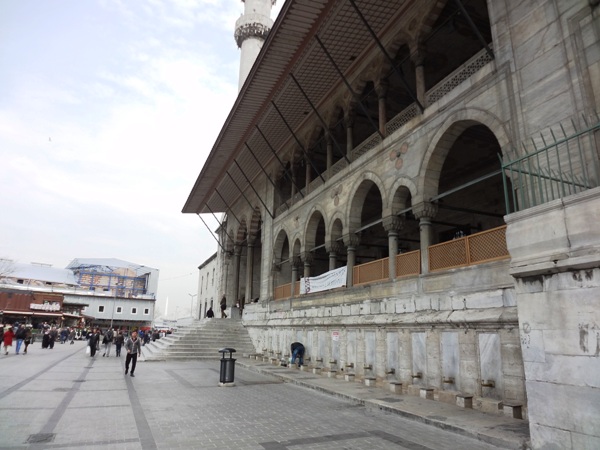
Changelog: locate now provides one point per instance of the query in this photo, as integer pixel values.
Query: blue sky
(108, 109)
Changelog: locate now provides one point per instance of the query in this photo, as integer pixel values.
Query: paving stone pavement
(61, 398)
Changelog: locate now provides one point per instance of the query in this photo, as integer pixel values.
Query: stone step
(202, 340)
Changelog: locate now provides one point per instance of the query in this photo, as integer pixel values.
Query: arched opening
(365, 220)
(282, 267)
(315, 244)
(470, 198)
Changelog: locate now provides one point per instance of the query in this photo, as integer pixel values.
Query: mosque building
(410, 188)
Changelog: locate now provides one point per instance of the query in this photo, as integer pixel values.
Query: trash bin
(227, 366)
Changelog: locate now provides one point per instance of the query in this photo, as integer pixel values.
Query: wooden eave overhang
(290, 49)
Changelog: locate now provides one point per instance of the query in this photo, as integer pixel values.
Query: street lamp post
(192, 305)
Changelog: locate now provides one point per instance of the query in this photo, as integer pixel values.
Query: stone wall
(444, 331)
(557, 273)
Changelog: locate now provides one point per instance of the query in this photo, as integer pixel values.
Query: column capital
(393, 223)
(381, 87)
(307, 257)
(237, 249)
(334, 247)
(296, 261)
(418, 55)
(351, 240)
(425, 209)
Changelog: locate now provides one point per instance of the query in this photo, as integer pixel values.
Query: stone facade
(426, 167)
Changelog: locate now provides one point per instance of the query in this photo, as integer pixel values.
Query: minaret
(251, 30)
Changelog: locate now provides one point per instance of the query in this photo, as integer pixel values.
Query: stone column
(392, 224)
(418, 59)
(425, 211)
(381, 87)
(307, 169)
(293, 176)
(329, 154)
(275, 271)
(349, 123)
(237, 252)
(295, 262)
(307, 258)
(249, 272)
(333, 248)
(351, 241)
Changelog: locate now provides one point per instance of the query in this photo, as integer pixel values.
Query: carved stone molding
(392, 223)
(425, 209)
(351, 240)
(251, 29)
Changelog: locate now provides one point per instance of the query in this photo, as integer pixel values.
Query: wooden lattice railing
(370, 272)
(408, 263)
(489, 245)
(285, 291)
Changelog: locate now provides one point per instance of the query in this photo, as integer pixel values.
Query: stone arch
(359, 192)
(255, 222)
(310, 230)
(296, 248)
(442, 142)
(399, 192)
(278, 245)
(425, 26)
(242, 231)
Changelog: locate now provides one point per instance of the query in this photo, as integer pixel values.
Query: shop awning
(22, 313)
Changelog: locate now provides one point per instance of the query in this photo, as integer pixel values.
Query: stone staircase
(201, 340)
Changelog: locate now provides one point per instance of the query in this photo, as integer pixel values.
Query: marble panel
(370, 348)
(450, 356)
(391, 344)
(490, 362)
(351, 348)
(419, 356)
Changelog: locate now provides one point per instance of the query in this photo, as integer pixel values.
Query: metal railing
(562, 162)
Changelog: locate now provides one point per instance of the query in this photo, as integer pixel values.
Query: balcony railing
(479, 248)
(489, 245)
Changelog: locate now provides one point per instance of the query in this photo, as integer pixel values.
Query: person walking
(94, 342)
(53, 335)
(20, 337)
(119, 341)
(223, 307)
(28, 339)
(72, 335)
(7, 339)
(108, 340)
(134, 349)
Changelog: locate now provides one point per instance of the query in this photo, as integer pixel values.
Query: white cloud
(100, 152)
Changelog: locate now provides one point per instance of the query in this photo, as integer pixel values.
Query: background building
(89, 292)
(208, 286)
(119, 293)
(444, 154)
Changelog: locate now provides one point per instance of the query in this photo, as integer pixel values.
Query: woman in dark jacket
(94, 341)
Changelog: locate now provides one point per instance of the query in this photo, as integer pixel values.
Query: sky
(108, 110)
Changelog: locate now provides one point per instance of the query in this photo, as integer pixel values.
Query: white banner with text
(329, 280)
